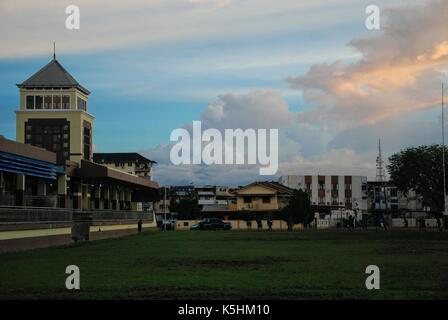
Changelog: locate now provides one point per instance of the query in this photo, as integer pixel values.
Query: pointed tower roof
(52, 75)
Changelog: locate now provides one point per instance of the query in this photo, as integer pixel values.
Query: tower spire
(54, 50)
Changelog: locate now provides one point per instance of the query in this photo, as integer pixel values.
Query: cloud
(256, 109)
(302, 147)
(388, 93)
(28, 28)
(399, 72)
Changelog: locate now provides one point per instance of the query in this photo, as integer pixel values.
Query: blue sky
(153, 66)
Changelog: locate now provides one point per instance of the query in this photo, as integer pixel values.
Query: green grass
(236, 265)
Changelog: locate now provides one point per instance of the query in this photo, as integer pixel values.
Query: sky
(310, 69)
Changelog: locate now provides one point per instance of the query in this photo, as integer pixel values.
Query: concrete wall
(62, 237)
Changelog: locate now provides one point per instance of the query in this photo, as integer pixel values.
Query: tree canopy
(298, 209)
(187, 208)
(420, 168)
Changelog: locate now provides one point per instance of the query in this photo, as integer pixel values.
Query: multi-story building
(54, 116)
(385, 197)
(331, 191)
(206, 195)
(225, 196)
(129, 162)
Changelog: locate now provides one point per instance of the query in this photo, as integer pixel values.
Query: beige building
(263, 197)
(53, 114)
(331, 191)
(128, 162)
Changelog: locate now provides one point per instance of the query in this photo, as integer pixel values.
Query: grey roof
(52, 75)
(120, 156)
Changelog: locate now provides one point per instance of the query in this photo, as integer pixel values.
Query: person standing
(259, 224)
(269, 224)
(439, 224)
(139, 225)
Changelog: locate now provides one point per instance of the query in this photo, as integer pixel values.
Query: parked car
(168, 224)
(214, 224)
(195, 226)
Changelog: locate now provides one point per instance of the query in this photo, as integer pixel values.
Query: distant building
(206, 195)
(331, 191)
(263, 198)
(129, 162)
(385, 197)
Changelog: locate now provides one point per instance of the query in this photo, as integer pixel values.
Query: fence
(27, 215)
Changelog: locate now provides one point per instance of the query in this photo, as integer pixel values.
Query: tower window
(65, 102)
(56, 102)
(48, 102)
(39, 102)
(30, 102)
(82, 104)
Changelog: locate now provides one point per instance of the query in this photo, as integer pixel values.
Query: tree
(419, 169)
(298, 209)
(187, 208)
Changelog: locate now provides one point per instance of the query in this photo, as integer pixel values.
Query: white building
(333, 191)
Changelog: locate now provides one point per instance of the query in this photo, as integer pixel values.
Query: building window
(30, 102)
(82, 104)
(87, 139)
(48, 102)
(247, 200)
(65, 102)
(47, 134)
(56, 102)
(39, 104)
(266, 199)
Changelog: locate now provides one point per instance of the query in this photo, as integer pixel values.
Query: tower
(380, 173)
(381, 179)
(54, 114)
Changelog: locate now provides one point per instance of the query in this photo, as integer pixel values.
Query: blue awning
(27, 166)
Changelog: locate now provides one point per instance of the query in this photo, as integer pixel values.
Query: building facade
(331, 191)
(262, 198)
(53, 114)
(385, 197)
(53, 122)
(128, 162)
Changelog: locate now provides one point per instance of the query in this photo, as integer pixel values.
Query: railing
(16, 215)
(41, 201)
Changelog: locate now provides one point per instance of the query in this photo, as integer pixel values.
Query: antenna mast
(380, 173)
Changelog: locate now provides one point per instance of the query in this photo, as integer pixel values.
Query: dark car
(214, 224)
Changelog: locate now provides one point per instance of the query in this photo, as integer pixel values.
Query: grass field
(239, 265)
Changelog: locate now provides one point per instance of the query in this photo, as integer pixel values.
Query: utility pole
(164, 208)
(381, 175)
(443, 157)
